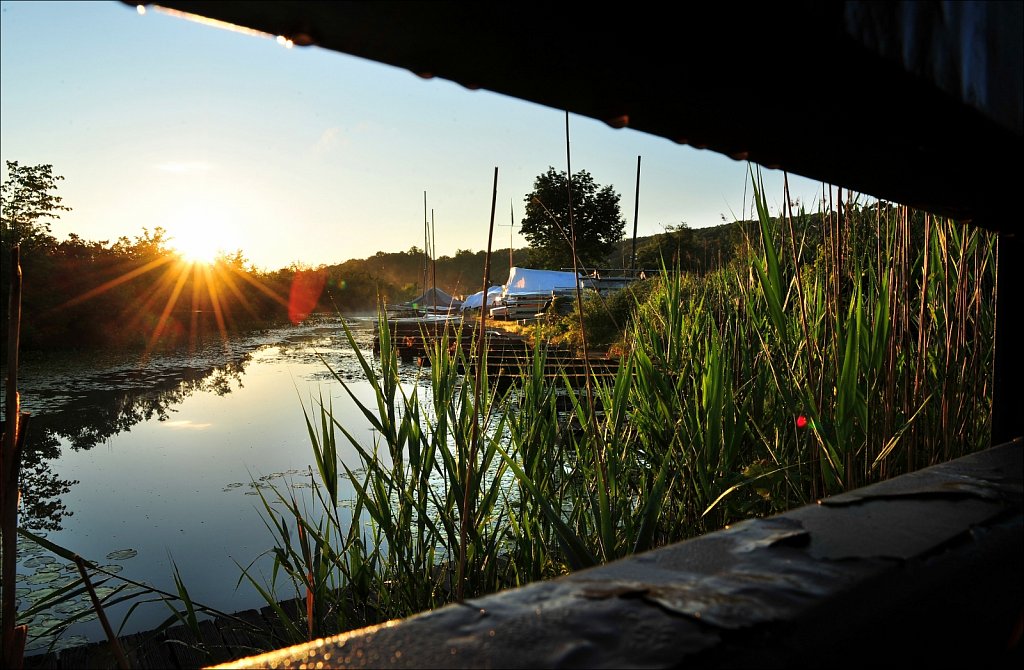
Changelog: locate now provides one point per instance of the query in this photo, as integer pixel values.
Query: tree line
(139, 293)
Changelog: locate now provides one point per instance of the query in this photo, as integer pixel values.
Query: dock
(509, 357)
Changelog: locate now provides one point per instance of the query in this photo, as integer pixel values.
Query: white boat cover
(477, 299)
(525, 280)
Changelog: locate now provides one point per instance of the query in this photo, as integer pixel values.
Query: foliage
(411, 496)
(813, 363)
(137, 294)
(45, 629)
(28, 206)
(697, 250)
(593, 228)
(606, 317)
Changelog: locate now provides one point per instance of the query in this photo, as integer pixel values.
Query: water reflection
(88, 410)
(82, 400)
(187, 444)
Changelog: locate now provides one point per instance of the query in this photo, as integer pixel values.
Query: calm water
(141, 463)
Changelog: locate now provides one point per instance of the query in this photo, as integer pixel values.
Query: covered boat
(529, 291)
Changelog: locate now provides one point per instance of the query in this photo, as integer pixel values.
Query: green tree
(675, 248)
(28, 205)
(596, 220)
(146, 247)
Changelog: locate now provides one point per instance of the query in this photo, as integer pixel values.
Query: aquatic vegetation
(817, 360)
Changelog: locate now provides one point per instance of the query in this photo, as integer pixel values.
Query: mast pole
(636, 213)
(512, 228)
(426, 277)
(433, 255)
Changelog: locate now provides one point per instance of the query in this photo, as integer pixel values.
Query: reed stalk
(837, 349)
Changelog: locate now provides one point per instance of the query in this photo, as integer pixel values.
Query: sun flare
(198, 236)
(196, 250)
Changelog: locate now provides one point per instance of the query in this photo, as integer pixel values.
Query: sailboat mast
(433, 256)
(636, 213)
(426, 278)
(512, 228)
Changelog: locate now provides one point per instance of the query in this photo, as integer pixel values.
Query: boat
(529, 292)
(433, 302)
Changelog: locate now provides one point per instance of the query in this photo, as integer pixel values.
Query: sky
(305, 156)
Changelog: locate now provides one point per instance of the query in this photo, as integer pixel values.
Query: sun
(196, 249)
(198, 236)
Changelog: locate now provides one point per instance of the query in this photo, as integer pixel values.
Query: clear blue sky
(305, 155)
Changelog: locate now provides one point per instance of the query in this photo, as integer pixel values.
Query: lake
(143, 462)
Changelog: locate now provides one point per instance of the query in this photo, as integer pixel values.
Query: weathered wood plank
(41, 662)
(146, 650)
(95, 656)
(213, 642)
(294, 609)
(244, 639)
(187, 650)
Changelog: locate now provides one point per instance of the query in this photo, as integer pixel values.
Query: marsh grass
(106, 590)
(837, 349)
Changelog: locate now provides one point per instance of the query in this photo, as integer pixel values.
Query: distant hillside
(697, 249)
(399, 276)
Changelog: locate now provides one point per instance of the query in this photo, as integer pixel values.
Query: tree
(596, 220)
(147, 247)
(675, 248)
(28, 203)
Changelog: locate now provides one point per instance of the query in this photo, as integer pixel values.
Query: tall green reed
(838, 348)
(108, 589)
(395, 554)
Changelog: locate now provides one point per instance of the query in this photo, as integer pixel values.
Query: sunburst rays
(173, 297)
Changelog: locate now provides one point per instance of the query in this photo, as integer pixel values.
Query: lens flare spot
(305, 293)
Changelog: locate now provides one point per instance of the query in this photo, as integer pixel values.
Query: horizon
(304, 156)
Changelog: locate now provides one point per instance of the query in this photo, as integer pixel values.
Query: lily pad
(29, 549)
(38, 561)
(47, 623)
(44, 578)
(71, 607)
(39, 594)
(122, 554)
(113, 567)
(104, 591)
